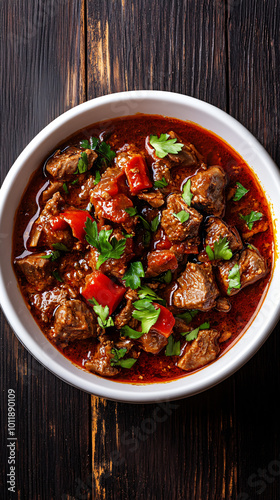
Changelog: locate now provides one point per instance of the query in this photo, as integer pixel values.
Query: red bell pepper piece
(165, 321)
(76, 220)
(137, 174)
(114, 209)
(104, 290)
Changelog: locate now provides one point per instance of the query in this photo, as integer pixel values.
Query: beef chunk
(187, 157)
(252, 267)
(72, 321)
(52, 188)
(216, 228)
(208, 189)
(123, 317)
(63, 165)
(160, 261)
(196, 288)
(153, 342)
(37, 270)
(223, 304)
(116, 267)
(175, 230)
(154, 198)
(101, 361)
(161, 168)
(201, 351)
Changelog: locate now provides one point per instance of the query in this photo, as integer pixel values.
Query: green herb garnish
(173, 348)
(163, 145)
(240, 192)
(133, 275)
(147, 293)
(146, 313)
(186, 194)
(189, 336)
(161, 183)
(131, 211)
(221, 250)
(103, 318)
(251, 218)
(182, 216)
(64, 185)
(155, 224)
(126, 331)
(234, 278)
(97, 177)
(57, 276)
(188, 315)
(82, 164)
(117, 359)
(113, 249)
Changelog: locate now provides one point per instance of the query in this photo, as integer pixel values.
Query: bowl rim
(118, 391)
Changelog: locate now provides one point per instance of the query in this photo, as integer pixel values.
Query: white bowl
(108, 107)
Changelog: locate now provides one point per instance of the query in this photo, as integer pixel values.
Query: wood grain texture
(42, 74)
(219, 445)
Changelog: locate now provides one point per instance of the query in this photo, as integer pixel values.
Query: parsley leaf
(146, 238)
(173, 348)
(147, 293)
(58, 247)
(189, 336)
(166, 277)
(112, 249)
(61, 247)
(146, 313)
(182, 216)
(251, 218)
(82, 164)
(133, 275)
(126, 331)
(155, 223)
(161, 183)
(103, 318)
(117, 359)
(233, 278)
(188, 315)
(105, 150)
(221, 250)
(97, 177)
(57, 276)
(240, 192)
(186, 194)
(64, 185)
(91, 144)
(53, 255)
(131, 211)
(163, 145)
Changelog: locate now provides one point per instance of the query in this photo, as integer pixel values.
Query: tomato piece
(114, 209)
(76, 220)
(165, 321)
(137, 174)
(104, 290)
(161, 241)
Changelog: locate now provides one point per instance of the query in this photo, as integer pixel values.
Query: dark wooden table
(224, 443)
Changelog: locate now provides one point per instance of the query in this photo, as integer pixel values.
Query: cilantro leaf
(233, 279)
(117, 359)
(240, 192)
(133, 275)
(182, 216)
(186, 194)
(112, 249)
(131, 211)
(155, 223)
(161, 183)
(251, 218)
(146, 313)
(173, 348)
(221, 250)
(126, 331)
(192, 335)
(163, 145)
(147, 293)
(82, 164)
(188, 315)
(103, 318)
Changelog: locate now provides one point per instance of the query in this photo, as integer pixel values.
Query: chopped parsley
(146, 313)
(182, 216)
(103, 318)
(133, 275)
(163, 145)
(126, 331)
(165, 277)
(147, 293)
(173, 348)
(188, 315)
(112, 249)
(91, 144)
(221, 250)
(97, 177)
(154, 224)
(233, 278)
(161, 183)
(82, 164)
(131, 211)
(117, 359)
(186, 194)
(57, 276)
(56, 253)
(192, 335)
(64, 185)
(251, 218)
(240, 192)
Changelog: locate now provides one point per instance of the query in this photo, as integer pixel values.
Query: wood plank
(43, 68)
(133, 452)
(253, 53)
